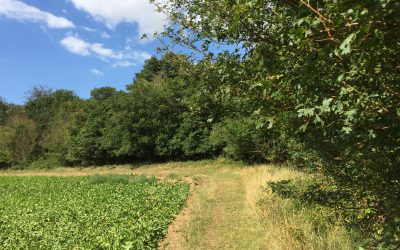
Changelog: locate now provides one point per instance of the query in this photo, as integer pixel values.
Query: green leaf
(271, 123)
(326, 105)
(350, 114)
(345, 47)
(347, 130)
(303, 127)
(306, 112)
(319, 120)
(340, 78)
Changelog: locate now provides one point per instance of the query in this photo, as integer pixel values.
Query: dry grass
(256, 178)
(68, 171)
(288, 226)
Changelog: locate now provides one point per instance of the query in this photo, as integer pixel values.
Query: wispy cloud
(111, 13)
(20, 11)
(124, 58)
(123, 64)
(105, 35)
(76, 45)
(96, 72)
(89, 29)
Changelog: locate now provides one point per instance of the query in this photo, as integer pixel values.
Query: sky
(73, 44)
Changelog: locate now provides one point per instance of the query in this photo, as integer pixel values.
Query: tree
(326, 74)
(43, 103)
(103, 93)
(137, 125)
(170, 65)
(151, 68)
(50, 110)
(17, 140)
(3, 111)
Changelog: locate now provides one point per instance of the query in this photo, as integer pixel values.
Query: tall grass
(108, 178)
(287, 224)
(121, 179)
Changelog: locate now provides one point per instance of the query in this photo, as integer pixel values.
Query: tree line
(174, 110)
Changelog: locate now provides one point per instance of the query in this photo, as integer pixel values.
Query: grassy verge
(291, 225)
(294, 227)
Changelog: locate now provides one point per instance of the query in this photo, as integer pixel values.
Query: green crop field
(95, 212)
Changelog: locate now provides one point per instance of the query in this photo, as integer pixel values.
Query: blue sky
(73, 44)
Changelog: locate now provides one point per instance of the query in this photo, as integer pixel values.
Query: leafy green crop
(77, 213)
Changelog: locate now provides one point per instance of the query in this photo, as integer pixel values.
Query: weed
(108, 178)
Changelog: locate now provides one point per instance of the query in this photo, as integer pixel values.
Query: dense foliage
(100, 212)
(324, 76)
(312, 83)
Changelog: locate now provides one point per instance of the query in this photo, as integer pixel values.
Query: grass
(109, 178)
(293, 226)
(172, 176)
(231, 207)
(235, 209)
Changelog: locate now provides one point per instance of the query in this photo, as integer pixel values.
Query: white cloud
(123, 64)
(102, 34)
(76, 45)
(98, 49)
(124, 58)
(105, 35)
(81, 47)
(89, 29)
(134, 55)
(96, 72)
(111, 13)
(20, 11)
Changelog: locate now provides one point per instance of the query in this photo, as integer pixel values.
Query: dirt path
(232, 226)
(217, 215)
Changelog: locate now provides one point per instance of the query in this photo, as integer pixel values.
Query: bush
(47, 161)
(243, 139)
